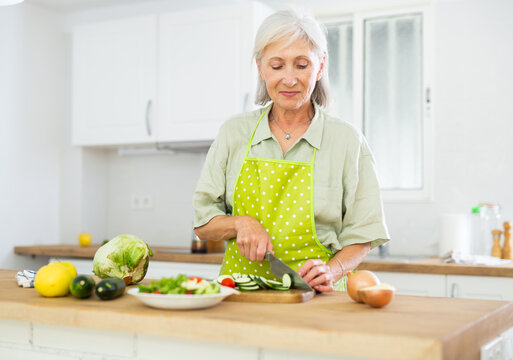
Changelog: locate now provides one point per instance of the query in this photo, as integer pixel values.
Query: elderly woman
(289, 178)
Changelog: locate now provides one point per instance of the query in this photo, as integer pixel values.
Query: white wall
(169, 179)
(34, 106)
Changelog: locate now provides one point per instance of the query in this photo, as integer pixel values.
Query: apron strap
(254, 130)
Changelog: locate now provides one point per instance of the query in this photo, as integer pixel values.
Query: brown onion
(377, 296)
(359, 280)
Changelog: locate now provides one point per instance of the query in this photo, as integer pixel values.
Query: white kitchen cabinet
(206, 71)
(114, 82)
(170, 77)
(415, 284)
(480, 287)
(461, 286)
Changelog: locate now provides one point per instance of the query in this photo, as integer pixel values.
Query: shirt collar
(313, 134)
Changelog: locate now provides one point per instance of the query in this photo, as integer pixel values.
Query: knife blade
(279, 268)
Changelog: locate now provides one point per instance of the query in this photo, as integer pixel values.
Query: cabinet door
(480, 287)
(414, 284)
(203, 55)
(114, 82)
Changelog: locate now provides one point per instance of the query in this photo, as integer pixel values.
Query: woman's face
(290, 72)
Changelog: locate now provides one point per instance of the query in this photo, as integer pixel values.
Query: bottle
(479, 231)
(496, 248)
(507, 250)
(493, 222)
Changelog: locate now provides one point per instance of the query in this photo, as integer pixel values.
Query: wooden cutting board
(273, 296)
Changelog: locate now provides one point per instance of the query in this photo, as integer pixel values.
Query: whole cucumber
(110, 288)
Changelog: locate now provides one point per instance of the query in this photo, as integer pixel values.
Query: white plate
(182, 302)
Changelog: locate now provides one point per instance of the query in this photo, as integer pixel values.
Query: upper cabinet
(114, 82)
(168, 78)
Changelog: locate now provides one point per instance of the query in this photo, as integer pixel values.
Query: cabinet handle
(148, 125)
(454, 289)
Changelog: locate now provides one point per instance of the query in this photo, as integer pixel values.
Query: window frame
(358, 18)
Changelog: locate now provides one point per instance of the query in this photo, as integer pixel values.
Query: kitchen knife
(279, 268)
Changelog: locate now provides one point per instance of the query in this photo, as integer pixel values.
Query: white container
(455, 234)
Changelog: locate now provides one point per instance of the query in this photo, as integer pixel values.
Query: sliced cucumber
(266, 282)
(273, 282)
(261, 282)
(249, 288)
(250, 282)
(286, 280)
(243, 280)
(282, 288)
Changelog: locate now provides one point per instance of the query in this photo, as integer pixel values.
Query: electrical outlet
(146, 202)
(135, 202)
(141, 202)
(492, 350)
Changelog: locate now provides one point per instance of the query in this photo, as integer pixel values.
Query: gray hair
(297, 25)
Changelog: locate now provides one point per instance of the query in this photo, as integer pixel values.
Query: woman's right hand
(252, 238)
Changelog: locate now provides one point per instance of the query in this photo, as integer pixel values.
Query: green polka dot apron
(279, 194)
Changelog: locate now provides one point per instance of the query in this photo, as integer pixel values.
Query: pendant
(287, 137)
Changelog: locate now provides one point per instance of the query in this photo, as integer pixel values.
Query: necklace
(287, 133)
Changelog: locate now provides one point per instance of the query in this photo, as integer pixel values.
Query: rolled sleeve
(363, 217)
(209, 199)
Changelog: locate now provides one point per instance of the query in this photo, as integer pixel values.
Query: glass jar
(494, 222)
(198, 246)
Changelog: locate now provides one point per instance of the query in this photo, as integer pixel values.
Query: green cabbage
(125, 257)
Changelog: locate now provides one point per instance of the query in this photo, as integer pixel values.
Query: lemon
(53, 280)
(85, 239)
(71, 268)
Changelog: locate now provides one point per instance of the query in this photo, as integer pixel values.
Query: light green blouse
(347, 201)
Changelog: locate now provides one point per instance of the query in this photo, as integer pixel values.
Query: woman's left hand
(318, 275)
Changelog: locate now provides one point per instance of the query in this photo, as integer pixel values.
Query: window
(340, 48)
(379, 76)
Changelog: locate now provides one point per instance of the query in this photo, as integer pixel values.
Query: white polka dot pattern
(285, 214)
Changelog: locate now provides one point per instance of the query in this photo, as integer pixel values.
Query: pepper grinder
(507, 251)
(496, 249)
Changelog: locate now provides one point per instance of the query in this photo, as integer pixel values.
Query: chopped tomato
(228, 282)
(157, 292)
(195, 278)
(188, 291)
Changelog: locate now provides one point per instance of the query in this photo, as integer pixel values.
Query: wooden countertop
(436, 266)
(410, 327)
(161, 253)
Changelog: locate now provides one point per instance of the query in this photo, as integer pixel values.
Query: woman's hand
(252, 239)
(318, 275)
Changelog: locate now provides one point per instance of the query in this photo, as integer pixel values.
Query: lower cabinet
(460, 286)
(479, 287)
(414, 284)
